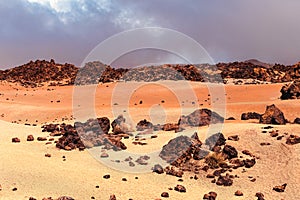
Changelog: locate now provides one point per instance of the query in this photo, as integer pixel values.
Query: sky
(67, 30)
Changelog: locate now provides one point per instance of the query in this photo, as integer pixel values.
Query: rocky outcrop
(273, 115)
(41, 72)
(201, 117)
(291, 91)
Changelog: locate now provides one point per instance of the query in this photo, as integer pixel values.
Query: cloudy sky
(67, 30)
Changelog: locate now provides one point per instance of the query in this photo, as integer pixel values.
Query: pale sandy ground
(25, 167)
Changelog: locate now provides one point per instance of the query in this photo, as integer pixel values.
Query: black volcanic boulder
(291, 91)
(201, 117)
(273, 115)
(143, 125)
(250, 115)
(297, 120)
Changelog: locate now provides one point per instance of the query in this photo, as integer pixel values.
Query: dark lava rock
(273, 115)
(15, 140)
(260, 196)
(249, 163)
(143, 125)
(224, 180)
(32, 198)
(171, 127)
(237, 163)
(291, 91)
(238, 193)
(293, 139)
(65, 198)
(30, 138)
(180, 188)
(234, 138)
(230, 118)
(174, 171)
(112, 197)
(250, 115)
(158, 169)
(297, 120)
(210, 196)
(217, 139)
(164, 194)
(280, 188)
(201, 117)
(107, 176)
(41, 138)
(230, 151)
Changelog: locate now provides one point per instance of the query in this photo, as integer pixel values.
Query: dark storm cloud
(68, 29)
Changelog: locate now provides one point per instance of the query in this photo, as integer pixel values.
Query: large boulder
(273, 115)
(291, 91)
(181, 149)
(201, 117)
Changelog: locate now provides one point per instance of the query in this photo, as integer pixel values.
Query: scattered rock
(234, 138)
(164, 194)
(65, 198)
(112, 197)
(30, 138)
(238, 193)
(249, 163)
(224, 180)
(180, 188)
(41, 138)
(260, 196)
(174, 171)
(230, 152)
(250, 115)
(15, 140)
(280, 188)
(210, 196)
(107, 176)
(158, 169)
(48, 155)
(293, 139)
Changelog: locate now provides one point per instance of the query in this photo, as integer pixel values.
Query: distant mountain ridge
(40, 72)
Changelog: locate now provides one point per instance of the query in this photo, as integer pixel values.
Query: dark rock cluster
(291, 91)
(93, 132)
(272, 115)
(37, 73)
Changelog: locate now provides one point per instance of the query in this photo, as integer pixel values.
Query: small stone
(30, 138)
(112, 197)
(15, 189)
(164, 194)
(280, 188)
(158, 169)
(15, 140)
(238, 193)
(41, 138)
(48, 155)
(180, 188)
(107, 176)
